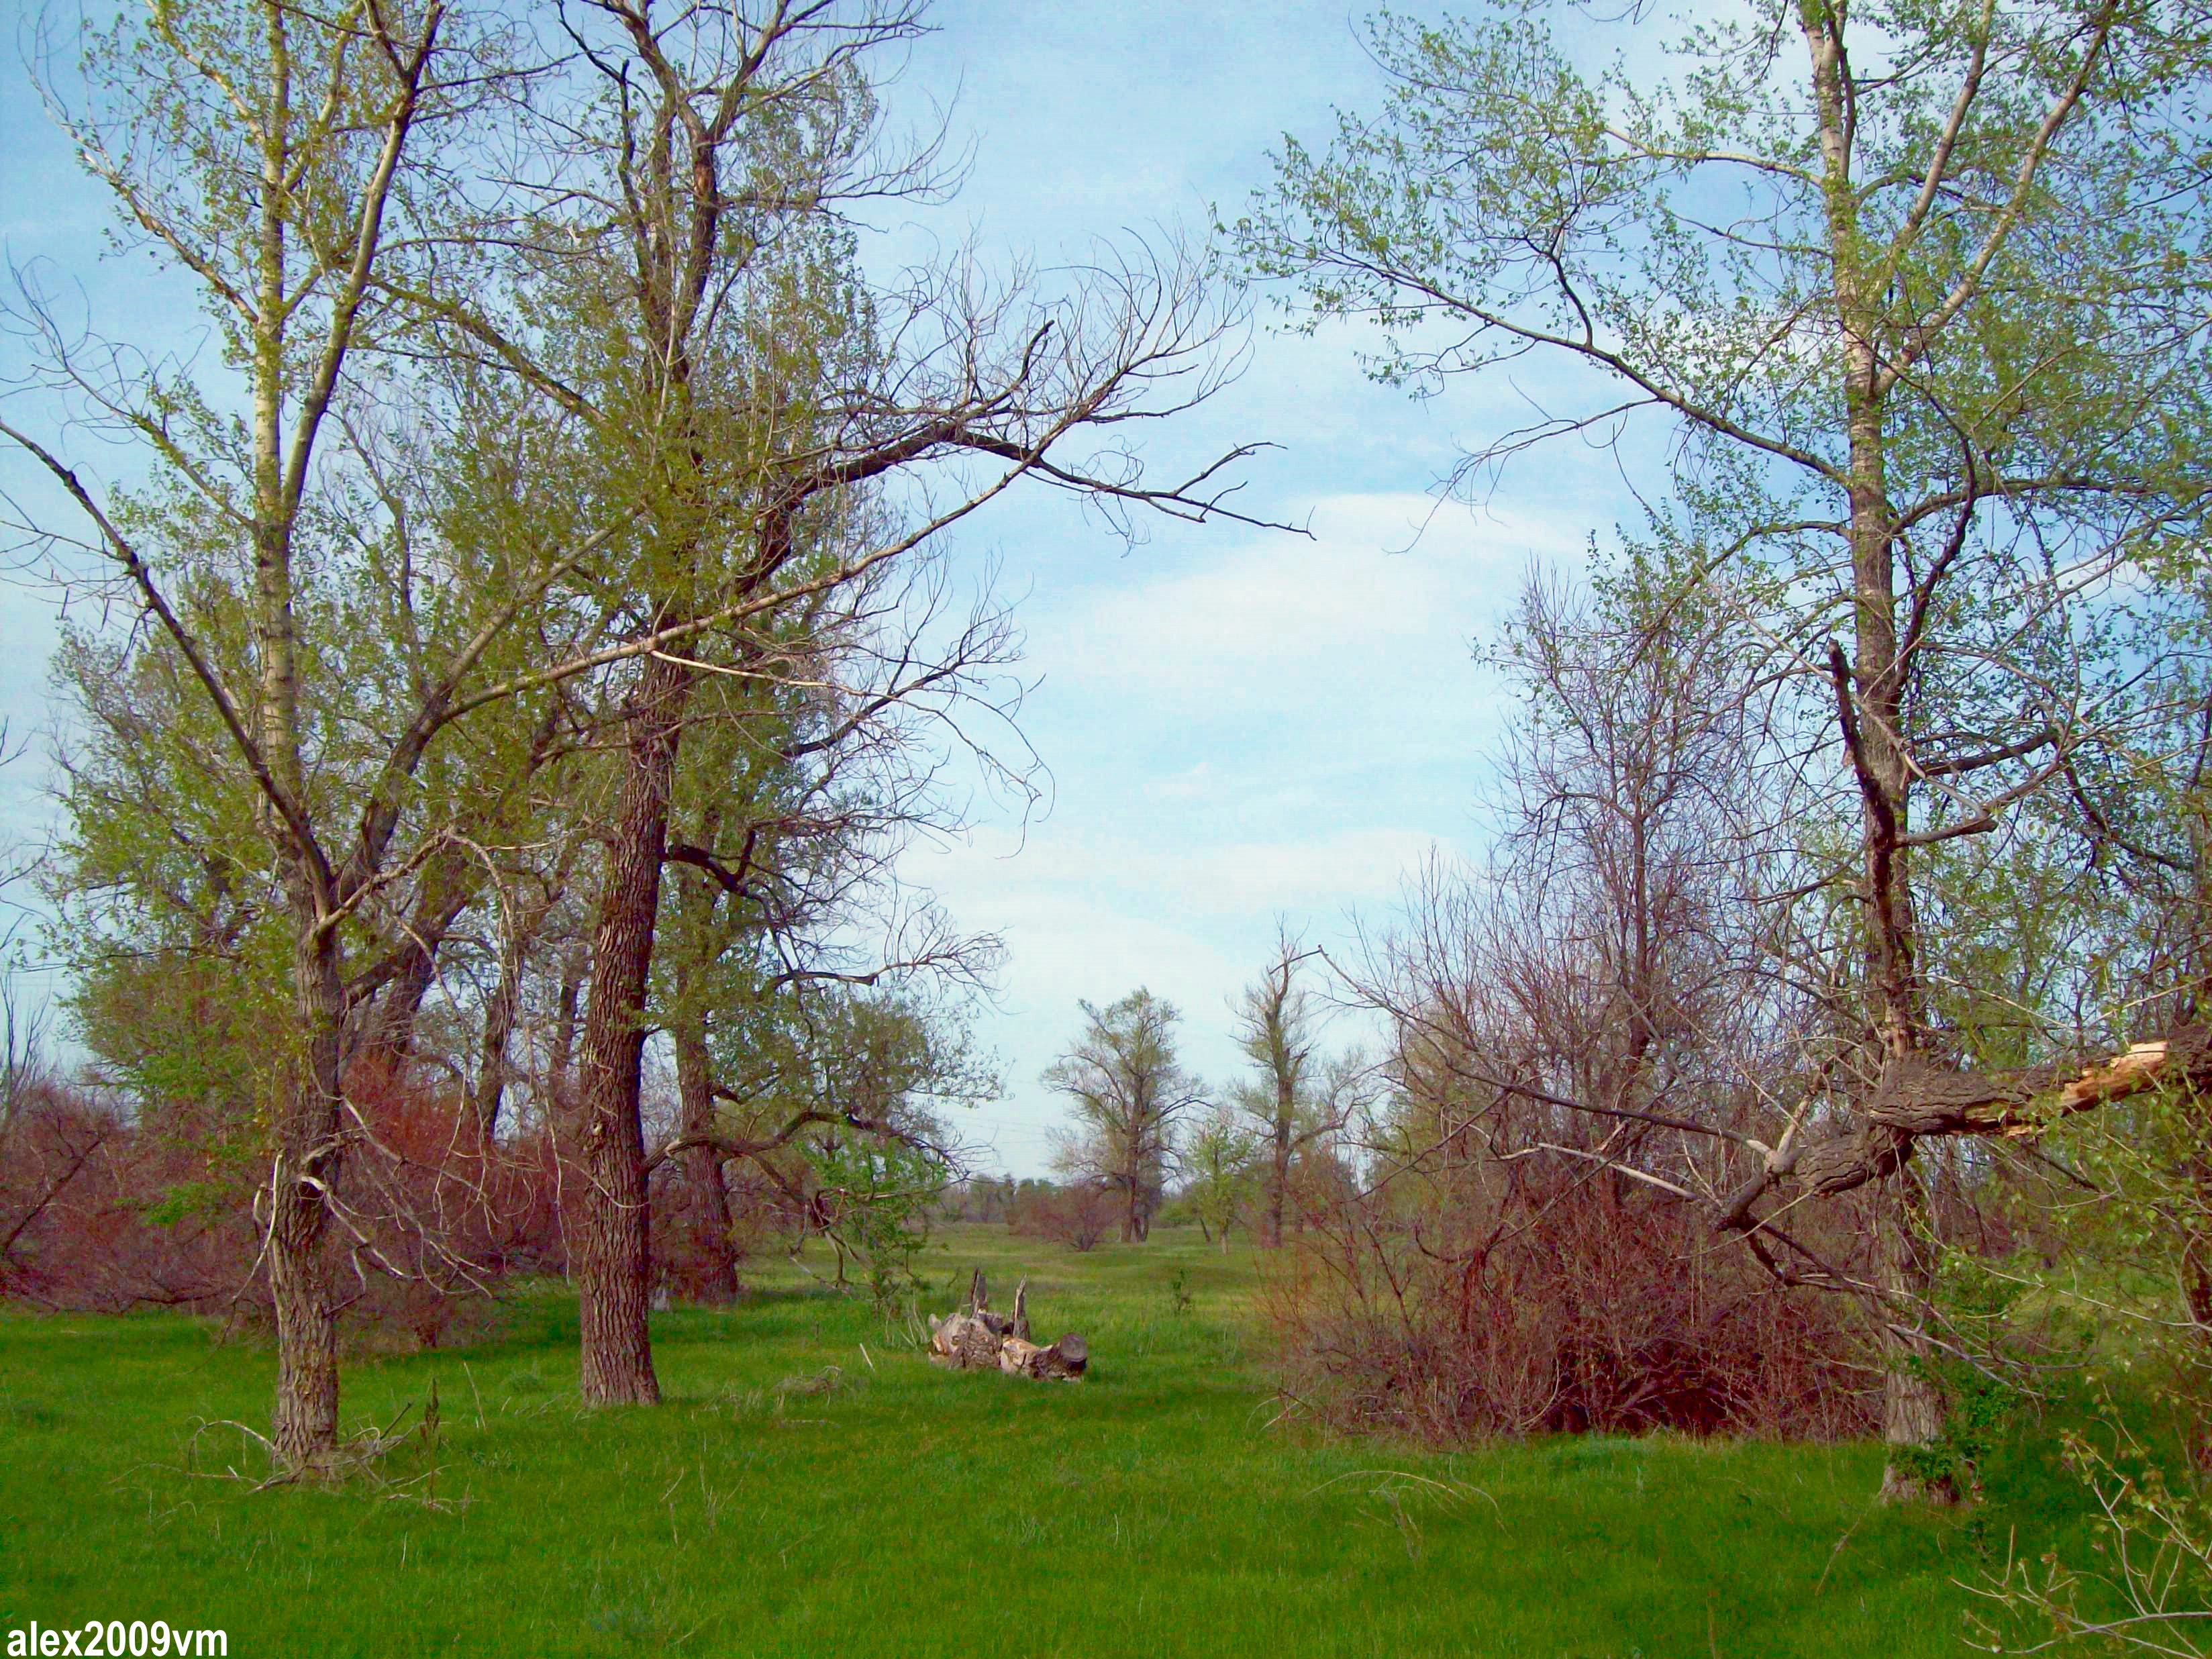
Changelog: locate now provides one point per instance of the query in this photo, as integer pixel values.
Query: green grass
(1154, 1509)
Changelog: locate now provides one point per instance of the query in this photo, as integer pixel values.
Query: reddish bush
(102, 1210)
(1078, 1215)
(764, 1208)
(101, 1213)
(1449, 1314)
(437, 1216)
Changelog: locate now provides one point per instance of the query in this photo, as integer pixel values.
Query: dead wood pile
(978, 1340)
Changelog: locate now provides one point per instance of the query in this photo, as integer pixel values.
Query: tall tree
(1297, 1096)
(282, 161)
(1913, 286)
(785, 890)
(688, 291)
(1129, 1093)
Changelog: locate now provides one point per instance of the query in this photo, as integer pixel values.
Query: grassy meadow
(813, 1487)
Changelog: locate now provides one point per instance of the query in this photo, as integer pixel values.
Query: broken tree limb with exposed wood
(979, 1340)
(1916, 1099)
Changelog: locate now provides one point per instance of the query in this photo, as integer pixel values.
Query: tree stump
(978, 1340)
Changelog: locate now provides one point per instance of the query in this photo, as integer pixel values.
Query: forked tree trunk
(605, 1206)
(446, 891)
(1874, 731)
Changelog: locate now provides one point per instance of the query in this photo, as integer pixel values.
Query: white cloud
(1171, 878)
(1088, 918)
(1386, 583)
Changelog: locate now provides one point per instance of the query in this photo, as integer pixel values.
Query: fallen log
(979, 1339)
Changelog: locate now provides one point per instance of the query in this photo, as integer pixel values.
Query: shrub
(103, 1208)
(1078, 1215)
(100, 1211)
(1443, 1312)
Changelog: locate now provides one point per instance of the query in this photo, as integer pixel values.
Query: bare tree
(1587, 1028)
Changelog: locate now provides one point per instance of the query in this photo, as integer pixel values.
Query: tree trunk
(304, 1428)
(558, 1062)
(306, 1112)
(713, 1258)
(1874, 731)
(606, 1205)
(979, 1339)
(1279, 1182)
(305, 1423)
(1913, 1406)
(391, 1037)
(491, 1091)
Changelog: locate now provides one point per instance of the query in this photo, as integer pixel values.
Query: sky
(1240, 727)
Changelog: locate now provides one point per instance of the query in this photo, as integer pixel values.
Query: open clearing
(776, 1506)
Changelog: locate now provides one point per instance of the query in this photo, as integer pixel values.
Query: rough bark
(305, 1427)
(1914, 1407)
(305, 1424)
(605, 1207)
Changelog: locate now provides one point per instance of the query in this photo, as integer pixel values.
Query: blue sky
(1238, 724)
